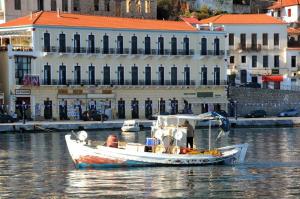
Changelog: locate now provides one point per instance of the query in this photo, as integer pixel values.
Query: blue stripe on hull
(131, 163)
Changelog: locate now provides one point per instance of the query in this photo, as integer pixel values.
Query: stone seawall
(272, 101)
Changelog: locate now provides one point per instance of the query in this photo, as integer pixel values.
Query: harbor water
(38, 165)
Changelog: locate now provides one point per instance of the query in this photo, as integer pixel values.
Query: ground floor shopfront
(69, 103)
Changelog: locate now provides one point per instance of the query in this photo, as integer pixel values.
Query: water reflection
(38, 165)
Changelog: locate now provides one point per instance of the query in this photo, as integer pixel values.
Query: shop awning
(272, 78)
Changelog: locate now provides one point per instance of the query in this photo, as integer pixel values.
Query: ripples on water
(38, 165)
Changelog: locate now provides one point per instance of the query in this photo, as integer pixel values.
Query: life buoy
(178, 135)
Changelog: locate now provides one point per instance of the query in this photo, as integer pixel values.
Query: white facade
(289, 14)
(256, 51)
(185, 76)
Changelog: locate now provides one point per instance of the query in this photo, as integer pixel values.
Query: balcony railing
(124, 51)
(129, 82)
(249, 47)
(212, 53)
(22, 48)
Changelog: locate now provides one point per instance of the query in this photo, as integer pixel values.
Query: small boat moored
(166, 147)
(130, 126)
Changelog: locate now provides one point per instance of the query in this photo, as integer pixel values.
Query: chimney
(58, 13)
(31, 15)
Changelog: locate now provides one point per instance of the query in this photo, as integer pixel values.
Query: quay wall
(270, 100)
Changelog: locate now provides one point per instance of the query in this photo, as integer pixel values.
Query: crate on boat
(152, 142)
(135, 147)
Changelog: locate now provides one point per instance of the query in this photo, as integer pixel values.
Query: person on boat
(190, 134)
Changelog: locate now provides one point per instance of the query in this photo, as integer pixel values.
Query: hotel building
(61, 64)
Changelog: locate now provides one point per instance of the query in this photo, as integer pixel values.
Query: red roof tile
(284, 3)
(76, 20)
(241, 19)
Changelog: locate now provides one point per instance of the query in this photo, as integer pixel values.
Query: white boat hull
(85, 156)
(130, 129)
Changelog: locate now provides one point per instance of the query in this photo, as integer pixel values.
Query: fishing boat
(166, 146)
(130, 126)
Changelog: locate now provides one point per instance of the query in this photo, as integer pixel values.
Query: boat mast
(209, 135)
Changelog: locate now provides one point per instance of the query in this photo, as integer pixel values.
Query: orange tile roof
(90, 21)
(294, 30)
(191, 20)
(241, 19)
(284, 3)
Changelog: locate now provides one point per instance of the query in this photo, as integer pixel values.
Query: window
(91, 43)
(147, 75)
(128, 6)
(105, 44)
(138, 6)
(120, 75)
(254, 41)
(187, 75)
(120, 44)
(289, 12)
(161, 75)
(204, 75)
(265, 39)
(265, 61)
(243, 41)
(231, 39)
(231, 59)
(293, 61)
(160, 45)
(17, 4)
(47, 75)
(243, 59)
(53, 5)
(254, 61)
(134, 44)
(173, 46)
(186, 46)
(174, 75)
(147, 6)
(147, 45)
(203, 46)
(62, 75)
(276, 39)
(65, 6)
(106, 6)
(216, 76)
(46, 42)
(23, 68)
(76, 5)
(76, 43)
(96, 5)
(243, 74)
(276, 61)
(62, 42)
(134, 75)
(77, 75)
(106, 75)
(40, 4)
(216, 46)
(91, 75)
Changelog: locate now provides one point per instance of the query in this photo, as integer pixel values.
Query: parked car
(223, 113)
(94, 116)
(4, 118)
(251, 85)
(256, 113)
(288, 113)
